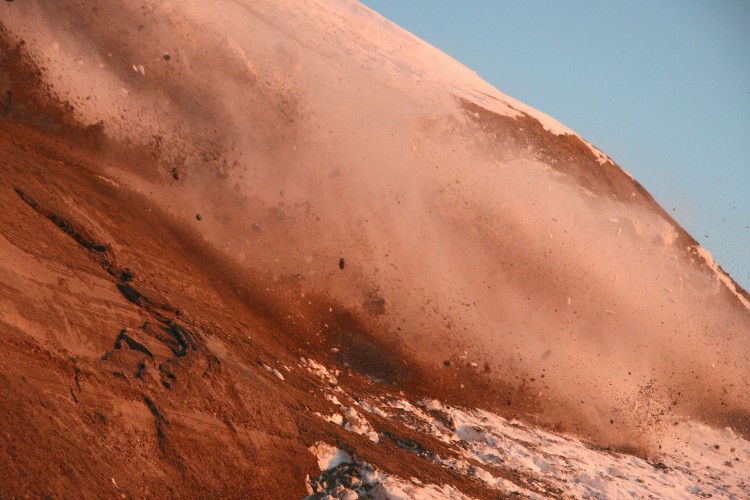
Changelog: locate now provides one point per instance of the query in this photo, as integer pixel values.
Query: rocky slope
(245, 243)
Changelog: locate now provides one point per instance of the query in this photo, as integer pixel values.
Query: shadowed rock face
(427, 240)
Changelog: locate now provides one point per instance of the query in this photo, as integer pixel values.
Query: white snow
(319, 370)
(108, 180)
(329, 456)
(349, 418)
(356, 423)
(371, 408)
(697, 459)
(393, 488)
(352, 421)
(274, 371)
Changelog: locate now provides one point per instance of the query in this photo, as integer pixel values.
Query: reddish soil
(132, 355)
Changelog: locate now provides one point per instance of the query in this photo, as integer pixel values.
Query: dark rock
(185, 337)
(98, 247)
(167, 377)
(131, 293)
(27, 199)
(443, 417)
(660, 466)
(152, 407)
(160, 420)
(408, 444)
(132, 344)
(170, 340)
(63, 224)
(75, 377)
(126, 275)
(342, 263)
(198, 216)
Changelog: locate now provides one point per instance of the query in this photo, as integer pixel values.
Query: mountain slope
(227, 224)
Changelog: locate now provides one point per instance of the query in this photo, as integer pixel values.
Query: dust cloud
(306, 133)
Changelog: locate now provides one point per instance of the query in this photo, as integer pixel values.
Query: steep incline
(237, 232)
(135, 360)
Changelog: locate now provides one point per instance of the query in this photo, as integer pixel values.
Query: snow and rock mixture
(344, 478)
(695, 460)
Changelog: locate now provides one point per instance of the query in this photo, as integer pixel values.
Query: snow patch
(352, 421)
(109, 181)
(274, 372)
(319, 370)
(697, 459)
(329, 456)
(371, 408)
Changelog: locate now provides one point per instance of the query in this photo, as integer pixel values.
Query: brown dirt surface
(133, 357)
(137, 361)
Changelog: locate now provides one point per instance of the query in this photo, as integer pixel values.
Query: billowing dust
(291, 141)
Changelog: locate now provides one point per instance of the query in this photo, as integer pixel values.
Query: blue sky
(663, 87)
